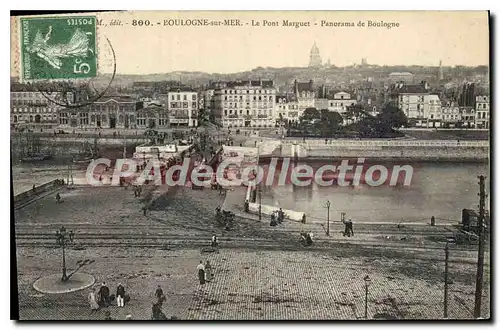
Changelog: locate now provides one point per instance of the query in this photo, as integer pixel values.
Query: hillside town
(92, 217)
(430, 97)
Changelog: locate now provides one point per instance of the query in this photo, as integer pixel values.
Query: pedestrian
(281, 215)
(58, 198)
(144, 209)
(214, 242)
(104, 295)
(201, 272)
(120, 295)
(34, 188)
(208, 271)
(159, 295)
(94, 306)
(348, 231)
(247, 206)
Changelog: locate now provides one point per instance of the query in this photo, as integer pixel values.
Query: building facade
(35, 109)
(153, 116)
(183, 107)
(341, 101)
(468, 115)
(411, 99)
(287, 109)
(432, 110)
(107, 112)
(405, 77)
(305, 95)
(245, 104)
(451, 115)
(482, 111)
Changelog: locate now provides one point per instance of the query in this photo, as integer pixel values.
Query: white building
(340, 102)
(432, 110)
(411, 99)
(451, 115)
(482, 111)
(183, 107)
(286, 108)
(245, 103)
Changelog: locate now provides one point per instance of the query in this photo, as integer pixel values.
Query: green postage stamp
(58, 47)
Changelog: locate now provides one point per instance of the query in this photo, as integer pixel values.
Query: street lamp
(328, 219)
(260, 203)
(63, 238)
(367, 283)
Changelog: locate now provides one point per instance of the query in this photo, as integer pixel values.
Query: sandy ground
(278, 280)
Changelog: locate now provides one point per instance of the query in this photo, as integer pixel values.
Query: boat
(86, 156)
(30, 148)
(36, 157)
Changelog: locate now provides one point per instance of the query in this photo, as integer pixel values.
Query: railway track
(155, 241)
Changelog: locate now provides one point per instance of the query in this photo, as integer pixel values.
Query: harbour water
(437, 189)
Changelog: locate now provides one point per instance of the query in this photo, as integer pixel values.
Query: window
(194, 97)
(173, 104)
(141, 119)
(193, 104)
(185, 97)
(84, 118)
(163, 121)
(184, 104)
(63, 118)
(178, 97)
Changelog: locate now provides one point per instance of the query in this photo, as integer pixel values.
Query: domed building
(314, 57)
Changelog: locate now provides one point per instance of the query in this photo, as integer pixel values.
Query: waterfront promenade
(261, 272)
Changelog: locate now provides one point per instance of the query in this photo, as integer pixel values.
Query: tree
(330, 122)
(393, 117)
(310, 114)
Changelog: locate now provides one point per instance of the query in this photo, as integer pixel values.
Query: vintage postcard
(257, 165)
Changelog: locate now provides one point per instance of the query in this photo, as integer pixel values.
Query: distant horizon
(286, 67)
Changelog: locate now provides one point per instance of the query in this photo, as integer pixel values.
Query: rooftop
(412, 89)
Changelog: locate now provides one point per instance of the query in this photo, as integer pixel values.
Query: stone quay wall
(412, 150)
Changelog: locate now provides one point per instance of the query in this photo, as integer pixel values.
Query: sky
(422, 38)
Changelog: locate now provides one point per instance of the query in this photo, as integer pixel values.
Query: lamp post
(260, 203)
(328, 218)
(367, 282)
(64, 237)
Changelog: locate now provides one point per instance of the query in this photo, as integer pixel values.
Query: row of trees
(355, 122)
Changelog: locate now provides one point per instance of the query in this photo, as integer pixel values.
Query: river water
(441, 190)
(437, 189)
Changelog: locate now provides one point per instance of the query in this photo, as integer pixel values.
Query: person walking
(201, 272)
(159, 295)
(120, 295)
(104, 295)
(348, 231)
(94, 306)
(214, 242)
(58, 198)
(208, 271)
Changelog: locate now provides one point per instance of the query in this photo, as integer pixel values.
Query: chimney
(310, 84)
(296, 86)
